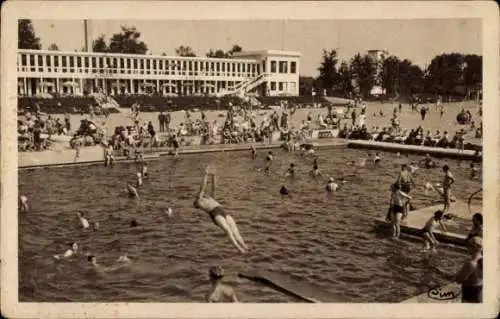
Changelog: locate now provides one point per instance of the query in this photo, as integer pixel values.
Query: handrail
(470, 199)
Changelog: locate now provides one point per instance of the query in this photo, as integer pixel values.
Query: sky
(418, 40)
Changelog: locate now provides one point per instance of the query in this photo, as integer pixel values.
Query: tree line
(126, 41)
(447, 74)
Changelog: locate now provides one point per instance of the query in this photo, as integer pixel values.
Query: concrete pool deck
(94, 154)
(416, 219)
(414, 149)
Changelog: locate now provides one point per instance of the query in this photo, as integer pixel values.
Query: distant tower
(378, 57)
(88, 42)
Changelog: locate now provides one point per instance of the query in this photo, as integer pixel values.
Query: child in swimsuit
(291, 170)
(219, 292)
(428, 230)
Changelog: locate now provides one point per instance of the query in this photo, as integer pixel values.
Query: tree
(328, 76)
(390, 75)
(445, 74)
(306, 85)
(53, 47)
(99, 44)
(363, 72)
(26, 36)
(345, 79)
(219, 54)
(185, 51)
(234, 49)
(127, 41)
(473, 71)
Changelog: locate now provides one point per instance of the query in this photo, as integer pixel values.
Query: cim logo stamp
(444, 293)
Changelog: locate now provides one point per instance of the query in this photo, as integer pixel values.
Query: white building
(270, 73)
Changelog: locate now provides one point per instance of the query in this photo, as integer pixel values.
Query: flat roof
(140, 56)
(268, 53)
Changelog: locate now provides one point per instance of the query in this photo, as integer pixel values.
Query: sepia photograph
(246, 158)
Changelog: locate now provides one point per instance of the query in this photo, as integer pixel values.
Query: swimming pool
(329, 240)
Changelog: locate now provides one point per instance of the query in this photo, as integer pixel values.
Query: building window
(292, 87)
(280, 86)
(282, 67)
(273, 86)
(273, 66)
(293, 67)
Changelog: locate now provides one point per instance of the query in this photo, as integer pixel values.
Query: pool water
(326, 239)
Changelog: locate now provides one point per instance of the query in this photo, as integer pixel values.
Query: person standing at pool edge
(219, 216)
(448, 180)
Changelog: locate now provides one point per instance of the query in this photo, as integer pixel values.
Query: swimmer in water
(133, 223)
(269, 159)
(83, 221)
(95, 226)
(144, 169)
(470, 276)
(139, 180)
(23, 203)
(122, 260)
(331, 186)
(218, 291)
(428, 162)
(315, 171)
(254, 152)
(473, 171)
(284, 190)
(428, 230)
(290, 172)
(413, 168)
(132, 191)
(218, 215)
(377, 158)
(73, 250)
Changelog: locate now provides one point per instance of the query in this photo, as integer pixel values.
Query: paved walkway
(416, 219)
(403, 148)
(95, 154)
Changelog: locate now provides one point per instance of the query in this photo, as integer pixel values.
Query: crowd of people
(240, 126)
(471, 273)
(395, 133)
(469, 276)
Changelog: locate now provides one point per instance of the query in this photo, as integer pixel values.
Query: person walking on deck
(217, 213)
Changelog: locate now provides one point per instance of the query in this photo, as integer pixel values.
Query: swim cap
(139, 174)
(216, 272)
(331, 180)
(283, 190)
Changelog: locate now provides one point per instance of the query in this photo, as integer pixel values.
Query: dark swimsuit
(216, 212)
(406, 187)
